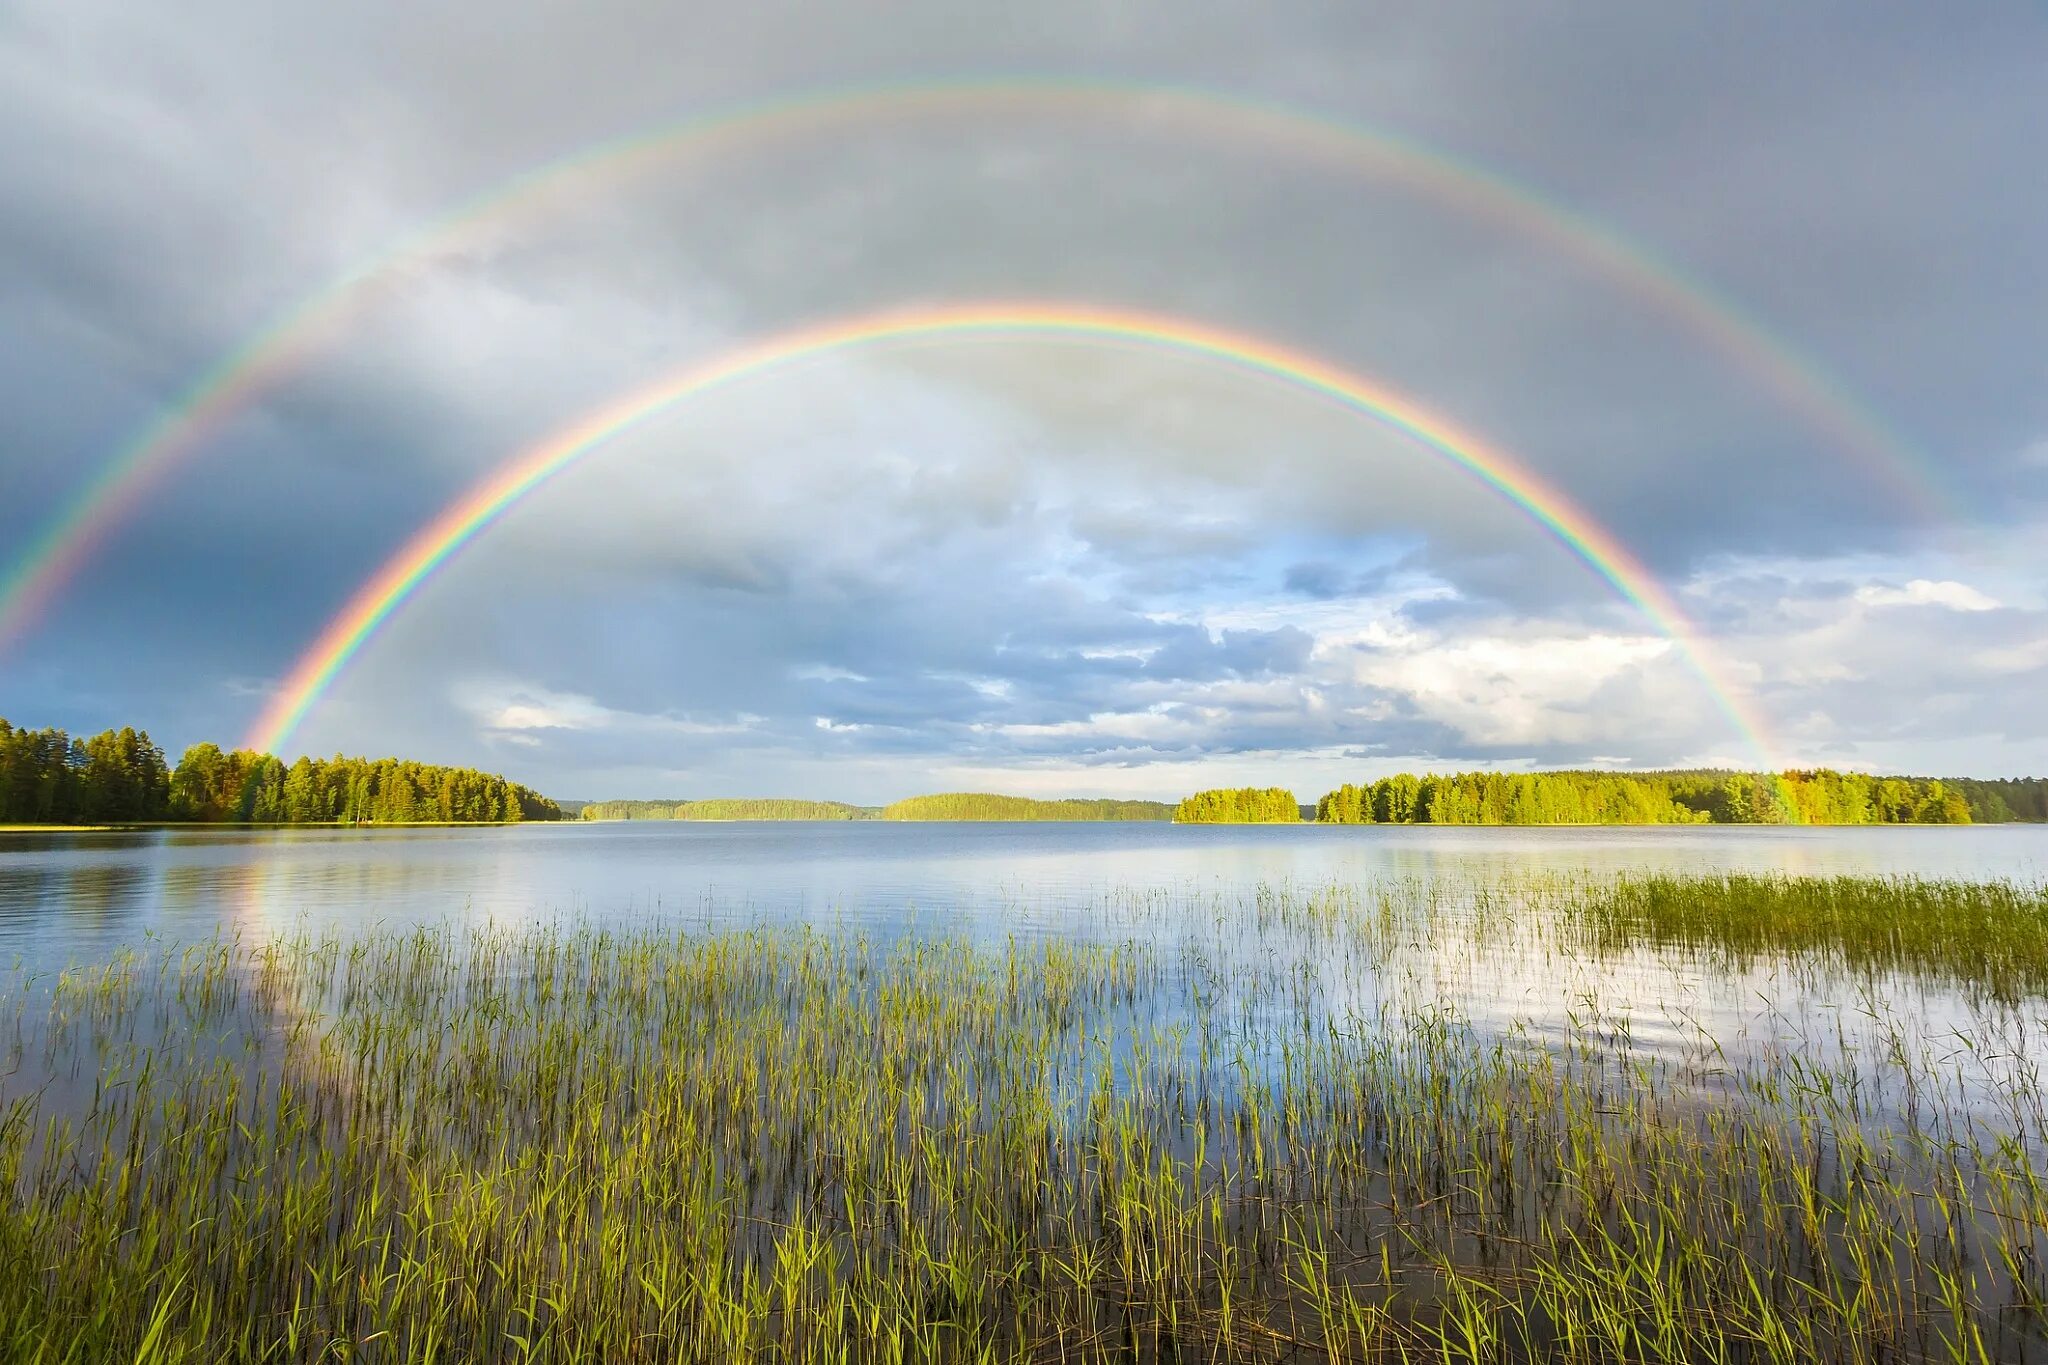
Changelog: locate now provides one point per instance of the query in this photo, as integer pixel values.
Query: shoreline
(273, 824)
(373, 825)
(144, 825)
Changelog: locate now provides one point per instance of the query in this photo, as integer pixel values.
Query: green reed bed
(1989, 936)
(574, 1144)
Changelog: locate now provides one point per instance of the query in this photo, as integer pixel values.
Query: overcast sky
(1028, 564)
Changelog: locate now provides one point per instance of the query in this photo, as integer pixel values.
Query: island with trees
(941, 806)
(989, 806)
(727, 808)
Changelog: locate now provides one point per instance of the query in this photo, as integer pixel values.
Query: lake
(76, 897)
(1141, 1085)
(71, 899)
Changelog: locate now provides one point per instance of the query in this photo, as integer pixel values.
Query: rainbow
(53, 557)
(485, 502)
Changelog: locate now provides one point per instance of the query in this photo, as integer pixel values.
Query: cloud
(1001, 555)
(1193, 654)
(1499, 690)
(512, 707)
(1921, 592)
(507, 709)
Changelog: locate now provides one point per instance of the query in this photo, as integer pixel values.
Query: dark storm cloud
(1020, 553)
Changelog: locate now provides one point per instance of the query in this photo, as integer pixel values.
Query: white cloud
(1927, 592)
(515, 708)
(1499, 690)
(826, 673)
(2019, 658)
(1125, 726)
(511, 710)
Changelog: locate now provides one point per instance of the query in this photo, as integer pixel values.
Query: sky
(1024, 563)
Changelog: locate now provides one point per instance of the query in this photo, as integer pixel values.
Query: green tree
(1395, 799)
(1239, 805)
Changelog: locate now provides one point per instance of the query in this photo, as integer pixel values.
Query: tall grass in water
(1988, 936)
(784, 1145)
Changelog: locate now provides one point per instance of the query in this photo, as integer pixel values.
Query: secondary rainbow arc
(489, 499)
(55, 555)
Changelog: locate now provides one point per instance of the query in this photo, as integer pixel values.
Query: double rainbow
(53, 557)
(491, 498)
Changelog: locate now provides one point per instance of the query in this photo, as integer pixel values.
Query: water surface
(77, 897)
(1366, 983)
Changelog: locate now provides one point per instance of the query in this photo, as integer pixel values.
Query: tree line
(1996, 800)
(1239, 806)
(939, 806)
(728, 808)
(990, 806)
(1819, 796)
(1812, 797)
(1565, 798)
(120, 776)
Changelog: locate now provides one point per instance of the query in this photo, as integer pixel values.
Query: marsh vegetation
(1265, 1128)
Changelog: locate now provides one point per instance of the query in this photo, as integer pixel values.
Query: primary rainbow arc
(488, 500)
(53, 557)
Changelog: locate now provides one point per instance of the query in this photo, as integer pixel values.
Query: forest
(1810, 797)
(940, 806)
(730, 808)
(989, 806)
(1239, 806)
(121, 777)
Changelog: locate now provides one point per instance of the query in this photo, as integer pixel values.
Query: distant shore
(268, 824)
(980, 807)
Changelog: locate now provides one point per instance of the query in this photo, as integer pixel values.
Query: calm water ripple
(68, 898)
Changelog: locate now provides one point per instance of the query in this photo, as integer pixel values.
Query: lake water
(1206, 892)
(76, 898)
(1336, 975)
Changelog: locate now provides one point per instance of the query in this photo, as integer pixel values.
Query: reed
(1990, 935)
(779, 1144)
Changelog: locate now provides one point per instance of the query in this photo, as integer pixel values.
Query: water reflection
(69, 899)
(76, 897)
